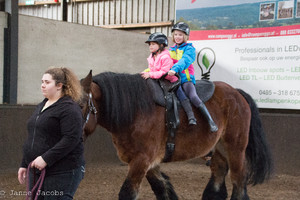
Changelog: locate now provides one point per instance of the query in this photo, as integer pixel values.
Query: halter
(92, 109)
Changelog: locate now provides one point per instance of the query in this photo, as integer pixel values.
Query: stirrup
(213, 127)
(207, 158)
(208, 163)
(192, 122)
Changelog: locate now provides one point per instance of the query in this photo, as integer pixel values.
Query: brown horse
(123, 104)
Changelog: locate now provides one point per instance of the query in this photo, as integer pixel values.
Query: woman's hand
(39, 163)
(145, 75)
(171, 73)
(22, 175)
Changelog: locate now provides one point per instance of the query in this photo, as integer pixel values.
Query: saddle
(164, 94)
(204, 88)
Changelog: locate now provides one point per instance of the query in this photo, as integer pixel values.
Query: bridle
(92, 109)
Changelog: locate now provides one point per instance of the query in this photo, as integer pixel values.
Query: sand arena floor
(103, 181)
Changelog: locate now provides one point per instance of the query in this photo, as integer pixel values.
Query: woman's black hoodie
(55, 134)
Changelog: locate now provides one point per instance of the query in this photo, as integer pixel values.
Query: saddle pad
(205, 89)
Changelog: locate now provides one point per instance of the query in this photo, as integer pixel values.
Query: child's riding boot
(204, 111)
(189, 111)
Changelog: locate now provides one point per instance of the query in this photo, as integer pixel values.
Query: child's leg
(190, 90)
(180, 94)
(185, 102)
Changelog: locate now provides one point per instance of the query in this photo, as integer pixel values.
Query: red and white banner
(245, 33)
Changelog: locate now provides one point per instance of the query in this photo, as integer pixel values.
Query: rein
(92, 109)
(38, 184)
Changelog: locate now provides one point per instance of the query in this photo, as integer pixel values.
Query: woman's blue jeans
(59, 186)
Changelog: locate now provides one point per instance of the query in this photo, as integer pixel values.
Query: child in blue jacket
(183, 55)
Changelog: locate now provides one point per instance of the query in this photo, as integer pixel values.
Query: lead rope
(38, 184)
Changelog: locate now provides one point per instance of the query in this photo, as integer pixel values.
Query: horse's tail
(258, 155)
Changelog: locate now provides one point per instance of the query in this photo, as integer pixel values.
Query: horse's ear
(86, 82)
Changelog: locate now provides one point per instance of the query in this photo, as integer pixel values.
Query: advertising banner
(250, 44)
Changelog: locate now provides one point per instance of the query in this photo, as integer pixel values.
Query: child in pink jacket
(159, 61)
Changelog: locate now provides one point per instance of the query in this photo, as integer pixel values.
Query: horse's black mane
(122, 97)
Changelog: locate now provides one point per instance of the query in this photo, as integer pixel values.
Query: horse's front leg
(137, 171)
(160, 184)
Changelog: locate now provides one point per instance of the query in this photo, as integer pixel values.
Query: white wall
(44, 43)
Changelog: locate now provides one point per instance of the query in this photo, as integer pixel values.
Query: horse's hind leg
(216, 188)
(161, 185)
(238, 176)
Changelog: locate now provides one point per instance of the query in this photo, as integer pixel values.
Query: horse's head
(88, 106)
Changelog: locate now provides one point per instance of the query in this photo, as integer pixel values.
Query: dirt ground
(103, 181)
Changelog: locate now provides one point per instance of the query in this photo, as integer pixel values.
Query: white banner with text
(259, 53)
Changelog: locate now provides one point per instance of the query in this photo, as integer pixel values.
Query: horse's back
(230, 112)
(230, 98)
(232, 103)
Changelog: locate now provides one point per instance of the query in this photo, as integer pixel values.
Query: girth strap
(172, 118)
(172, 123)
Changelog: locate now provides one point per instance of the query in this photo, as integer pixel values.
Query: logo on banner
(206, 59)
